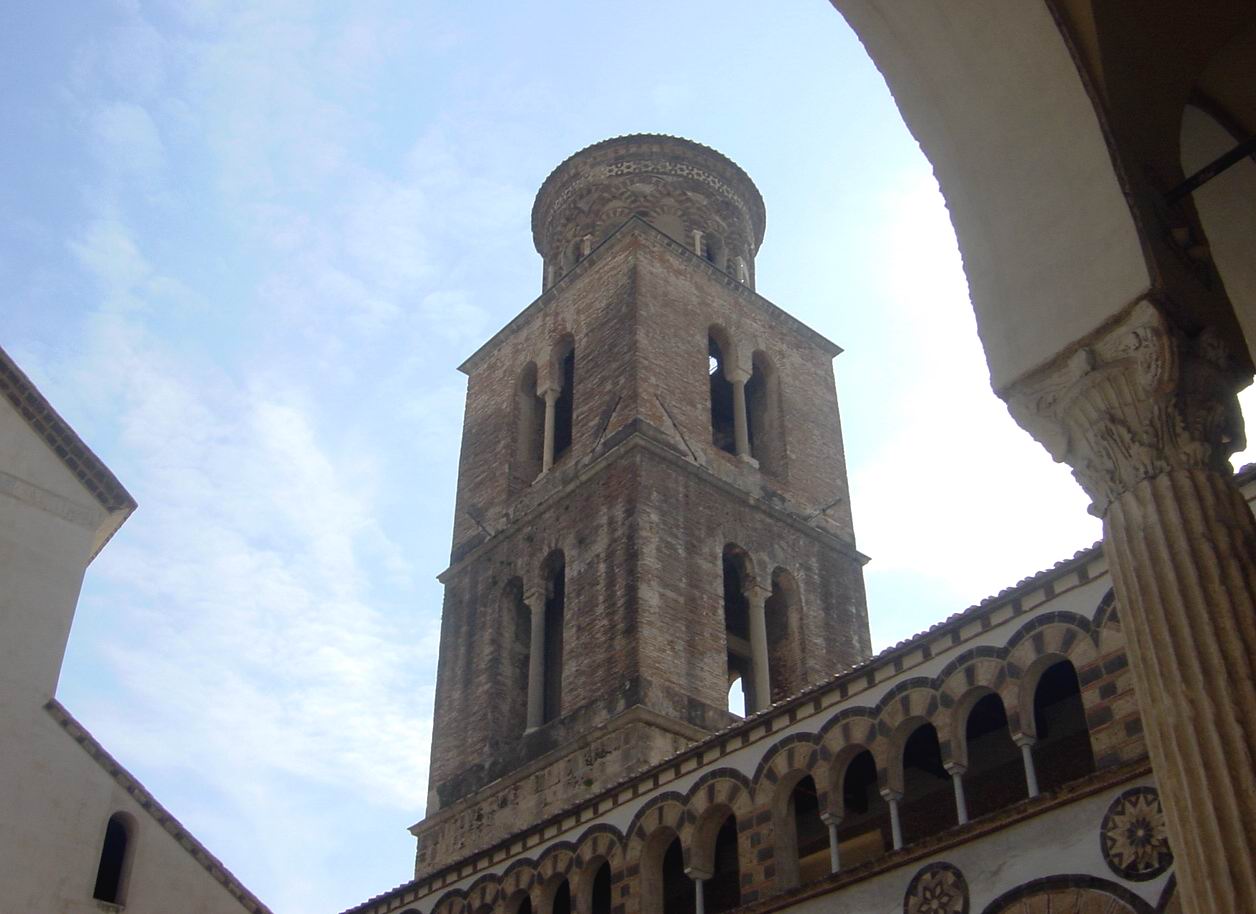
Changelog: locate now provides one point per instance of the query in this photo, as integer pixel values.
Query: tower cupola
(695, 195)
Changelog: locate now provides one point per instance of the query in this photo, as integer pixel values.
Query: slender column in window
(536, 662)
(956, 771)
(835, 856)
(759, 646)
(741, 424)
(896, 826)
(551, 399)
(1026, 744)
(699, 897)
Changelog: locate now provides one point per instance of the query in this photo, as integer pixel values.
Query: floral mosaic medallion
(938, 888)
(1133, 837)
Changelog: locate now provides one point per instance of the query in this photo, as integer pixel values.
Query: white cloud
(128, 140)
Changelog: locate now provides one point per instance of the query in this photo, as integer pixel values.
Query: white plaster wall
(55, 799)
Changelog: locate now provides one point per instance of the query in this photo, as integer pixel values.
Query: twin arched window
(545, 413)
(745, 406)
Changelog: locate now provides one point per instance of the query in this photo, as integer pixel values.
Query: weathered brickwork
(641, 507)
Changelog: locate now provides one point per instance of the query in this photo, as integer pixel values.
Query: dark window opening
(722, 892)
(928, 804)
(865, 829)
(811, 835)
(555, 609)
(530, 428)
(518, 618)
(737, 627)
(1063, 752)
(525, 906)
(763, 421)
(601, 901)
(996, 772)
(784, 650)
(564, 407)
(562, 898)
(678, 889)
(112, 860)
(723, 435)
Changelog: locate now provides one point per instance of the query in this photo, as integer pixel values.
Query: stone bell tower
(652, 500)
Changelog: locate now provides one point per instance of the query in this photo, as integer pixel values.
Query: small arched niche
(529, 427)
(723, 421)
(564, 373)
(554, 573)
(782, 620)
(117, 850)
(763, 413)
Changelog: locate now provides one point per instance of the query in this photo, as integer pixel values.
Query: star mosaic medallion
(1133, 836)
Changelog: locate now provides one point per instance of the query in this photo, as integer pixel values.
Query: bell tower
(652, 501)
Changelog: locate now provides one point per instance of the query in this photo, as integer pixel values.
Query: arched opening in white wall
(599, 887)
(560, 901)
(864, 832)
(722, 892)
(1063, 752)
(116, 852)
(928, 804)
(665, 887)
(996, 772)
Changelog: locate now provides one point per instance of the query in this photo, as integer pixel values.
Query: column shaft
(762, 681)
(961, 803)
(699, 901)
(536, 665)
(547, 453)
(835, 857)
(741, 425)
(1183, 552)
(1031, 773)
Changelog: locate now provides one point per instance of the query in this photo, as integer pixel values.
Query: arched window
(723, 434)
(564, 406)
(555, 574)
(665, 889)
(865, 828)
(516, 622)
(1063, 752)
(713, 250)
(737, 634)
(928, 804)
(784, 642)
(116, 852)
(803, 839)
(560, 901)
(529, 427)
(736, 695)
(722, 892)
(767, 439)
(595, 886)
(996, 772)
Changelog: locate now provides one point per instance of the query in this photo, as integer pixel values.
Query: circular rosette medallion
(938, 888)
(1133, 837)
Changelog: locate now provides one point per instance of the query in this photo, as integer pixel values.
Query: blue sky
(243, 247)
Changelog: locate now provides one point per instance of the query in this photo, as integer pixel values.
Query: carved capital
(1139, 400)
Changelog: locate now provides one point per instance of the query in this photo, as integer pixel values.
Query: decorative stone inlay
(1138, 401)
(1133, 836)
(939, 888)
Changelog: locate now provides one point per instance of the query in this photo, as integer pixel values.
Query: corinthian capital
(1139, 400)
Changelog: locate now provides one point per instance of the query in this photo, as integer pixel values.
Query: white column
(832, 821)
(762, 681)
(536, 663)
(957, 779)
(699, 898)
(551, 398)
(1026, 744)
(896, 827)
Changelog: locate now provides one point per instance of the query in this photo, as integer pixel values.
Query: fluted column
(1147, 419)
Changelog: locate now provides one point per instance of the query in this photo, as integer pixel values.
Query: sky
(243, 248)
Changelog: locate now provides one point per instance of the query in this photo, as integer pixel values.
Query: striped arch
(517, 882)
(842, 738)
(785, 764)
(666, 810)
(975, 675)
(906, 707)
(555, 865)
(1106, 625)
(484, 894)
(599, 843)
(709, 801)
(1037, 645)
(452, 902)
(650, 832)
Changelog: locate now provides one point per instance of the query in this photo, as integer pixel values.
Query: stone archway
(1069, 895)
